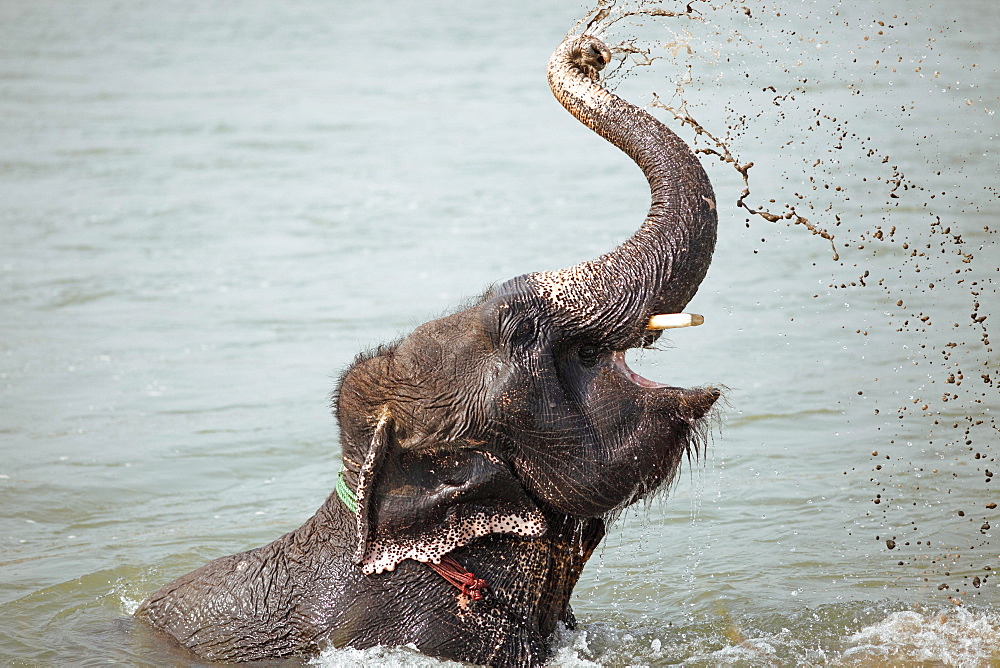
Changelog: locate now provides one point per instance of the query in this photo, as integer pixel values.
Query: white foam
(955, 637)
(572, 650)
(129, 605)
(390, 657)
(951, 637)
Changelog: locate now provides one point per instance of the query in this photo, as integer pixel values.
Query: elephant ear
(422, 504)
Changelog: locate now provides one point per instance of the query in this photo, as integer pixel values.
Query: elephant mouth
(657, 322)
(618, 359)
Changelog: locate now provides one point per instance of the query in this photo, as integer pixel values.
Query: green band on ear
(345, 493)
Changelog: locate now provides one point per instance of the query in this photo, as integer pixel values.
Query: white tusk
(672, 320)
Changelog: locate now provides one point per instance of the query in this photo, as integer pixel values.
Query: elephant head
(521, 405)
(509, 431)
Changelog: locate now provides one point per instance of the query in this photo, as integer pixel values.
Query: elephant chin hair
(694, 449)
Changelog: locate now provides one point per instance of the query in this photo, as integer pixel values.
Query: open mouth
(618, 358)
(657, 322)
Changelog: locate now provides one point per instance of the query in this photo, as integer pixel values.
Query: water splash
(912, 236)
(954, 637)
(391, 657)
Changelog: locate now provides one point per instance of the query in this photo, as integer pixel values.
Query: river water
(206, 210)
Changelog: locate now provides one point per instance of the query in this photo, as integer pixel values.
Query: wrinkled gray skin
(505, 435)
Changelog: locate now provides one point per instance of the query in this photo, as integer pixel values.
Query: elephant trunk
(658, 270)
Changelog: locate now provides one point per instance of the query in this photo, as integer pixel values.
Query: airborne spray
(869, 129)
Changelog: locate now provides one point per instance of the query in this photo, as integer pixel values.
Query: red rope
(465, 581)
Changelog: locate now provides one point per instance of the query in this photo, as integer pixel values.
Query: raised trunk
(659, 269)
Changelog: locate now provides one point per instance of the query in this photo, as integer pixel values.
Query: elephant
(485, 453)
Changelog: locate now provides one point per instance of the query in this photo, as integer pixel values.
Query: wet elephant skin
(502, 437)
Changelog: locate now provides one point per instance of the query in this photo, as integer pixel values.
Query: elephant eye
(589, 355)
(523, 334)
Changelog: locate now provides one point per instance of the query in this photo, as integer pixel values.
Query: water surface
(207, 209)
